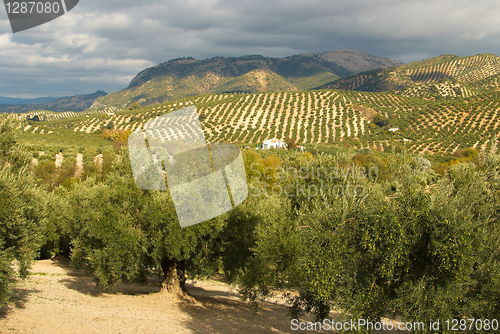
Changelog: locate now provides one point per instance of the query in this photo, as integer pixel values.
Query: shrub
(134, 106)
(291, 144)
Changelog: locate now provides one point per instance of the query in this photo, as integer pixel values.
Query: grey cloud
(103, 44)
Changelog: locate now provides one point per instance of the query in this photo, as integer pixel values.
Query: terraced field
(467, 117)
(444, 88)
(491, 83)
(47, 115)
(467, 69)
(481, 69)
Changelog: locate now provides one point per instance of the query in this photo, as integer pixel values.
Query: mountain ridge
(363, 61)
(187, 76)
(37, 100)
(69, 103)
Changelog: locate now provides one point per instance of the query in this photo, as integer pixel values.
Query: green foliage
(107, 235)
(45, 172)
(461, 156)
(10, 151)
(253, 162)
(401, 250)
(134, 106)
(404, 241)
(20, 222)
(380, 120)
(21, 211)
(261, 247)
(470, 153)
(57, 214)
(239, 238)
(426, 125)
(110, 126)
(291, 144)
(122, 232)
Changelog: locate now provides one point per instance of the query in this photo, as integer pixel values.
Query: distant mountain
(13, 100)
(71, 103)
(481, 69)
(184, 77)
(357, 61)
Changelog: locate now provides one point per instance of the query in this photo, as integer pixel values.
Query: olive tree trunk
(174, 278)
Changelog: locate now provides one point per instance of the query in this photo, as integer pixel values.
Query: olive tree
(21, 210)
(123, 232)
(403, 248)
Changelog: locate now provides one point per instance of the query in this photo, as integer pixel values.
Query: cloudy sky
(104, 44)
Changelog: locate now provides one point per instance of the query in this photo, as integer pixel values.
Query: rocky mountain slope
(184, 77)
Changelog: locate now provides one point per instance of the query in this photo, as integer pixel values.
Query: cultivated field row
(469, 69)
(444, 89)
(466, 119)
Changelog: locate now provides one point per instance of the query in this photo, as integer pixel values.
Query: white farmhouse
(273, 143)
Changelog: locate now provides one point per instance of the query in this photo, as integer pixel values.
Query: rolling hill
(183, 77)
(469, 70)
(310, 117)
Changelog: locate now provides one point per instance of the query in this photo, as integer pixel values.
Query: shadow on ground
(230, 315)
(80, 280)
(19, 297)
(210, 308)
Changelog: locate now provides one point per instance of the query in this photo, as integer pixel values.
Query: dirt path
(79, 165)
(58, 299)
(59, 159)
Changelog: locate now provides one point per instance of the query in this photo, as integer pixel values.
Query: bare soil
(79, 165)
(56, 298)
(59, 159)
